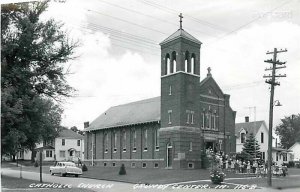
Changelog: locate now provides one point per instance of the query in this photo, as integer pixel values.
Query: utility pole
(276, 64)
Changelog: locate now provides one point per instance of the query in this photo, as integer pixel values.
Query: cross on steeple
(180, 16)
(208, 71)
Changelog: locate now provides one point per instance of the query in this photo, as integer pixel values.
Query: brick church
(170, 131)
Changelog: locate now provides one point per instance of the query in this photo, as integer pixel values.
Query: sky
(118, 60)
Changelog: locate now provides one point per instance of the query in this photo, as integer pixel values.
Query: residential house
(67, 146)
(260, 132)
(295, 152)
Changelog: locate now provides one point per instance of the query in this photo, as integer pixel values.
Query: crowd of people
(240, 166)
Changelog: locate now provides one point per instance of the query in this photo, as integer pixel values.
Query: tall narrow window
(217, 122)
(193, 64)
(167, 65)
(262, 137)
(124, 140)
(192, 117)
(187, 67)
(243, 137)
(63, 142)
(191, 146)
(170, 116)
(78, 142)
(203, 120)
(134, 139)
(213, 121)
(145, 139)
(156, 139)
(115, 141)
(173, 62)
(188, 116)
(170, 90)
(105, 142)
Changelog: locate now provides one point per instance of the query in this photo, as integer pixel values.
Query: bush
(291, 164)
(36, 164)
(217, 176)
(122, 170)
(84, 168)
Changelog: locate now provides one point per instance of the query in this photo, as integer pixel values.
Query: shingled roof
(250, 127)
(67, 133)
(144, 111)
(180, 33)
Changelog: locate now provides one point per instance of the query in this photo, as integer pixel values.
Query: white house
(280, 155)
(295, 152)
(67, 146)
(261, 133)
(259, 130)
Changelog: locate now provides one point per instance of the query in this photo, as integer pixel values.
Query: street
(110, 186)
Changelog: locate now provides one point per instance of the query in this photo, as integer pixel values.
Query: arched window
(193, 64)
(173, 63)
(167, 64)
(187, 62)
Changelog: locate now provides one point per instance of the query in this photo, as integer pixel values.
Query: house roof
(180, 33)
(294, 145)
(45, 147)
(250, 127)
(144, 111)
(68, 133)
(278, 149)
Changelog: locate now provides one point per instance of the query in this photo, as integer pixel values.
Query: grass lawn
(151, 176)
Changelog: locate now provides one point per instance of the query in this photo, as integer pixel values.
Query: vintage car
(65, 168)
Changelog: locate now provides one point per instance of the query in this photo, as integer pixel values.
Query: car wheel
(62, 174)
(51, 173)
(76, 175)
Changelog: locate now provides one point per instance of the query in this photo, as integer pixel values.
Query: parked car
(65, 168)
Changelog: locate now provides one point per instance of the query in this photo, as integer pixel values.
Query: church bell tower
(180, 135)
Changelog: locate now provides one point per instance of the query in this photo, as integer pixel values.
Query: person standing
(248, 167)
(255, 165)
(232, 165)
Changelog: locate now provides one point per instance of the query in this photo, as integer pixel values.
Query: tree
(33, 85)
(251, 148)
(289, 131)
(76, 130)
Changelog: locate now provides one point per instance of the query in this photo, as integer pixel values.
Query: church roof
(139, 112)
(249, 127)
(180, 33)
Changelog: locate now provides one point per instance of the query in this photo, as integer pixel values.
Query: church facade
(170, 131)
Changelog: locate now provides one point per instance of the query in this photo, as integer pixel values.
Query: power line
(156, 18)
(123, 20)
(128, 42)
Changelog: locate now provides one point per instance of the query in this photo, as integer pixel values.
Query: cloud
(103, 80)
(239, 59)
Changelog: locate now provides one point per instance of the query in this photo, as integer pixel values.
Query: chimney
(247, 119)
(86, 124)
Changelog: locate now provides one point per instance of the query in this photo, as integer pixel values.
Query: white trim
(211, 97)
(180, 72)
(220, 105)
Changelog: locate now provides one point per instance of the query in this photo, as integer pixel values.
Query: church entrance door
(169, 155)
